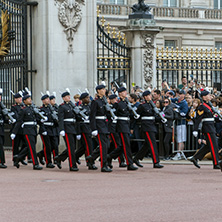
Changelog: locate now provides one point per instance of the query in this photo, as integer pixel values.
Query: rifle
(77, 111)
(160, 114)
(54, 113)
(37, 111)
(133, 109)
(109, 109)
(7, 113)
(214, 110)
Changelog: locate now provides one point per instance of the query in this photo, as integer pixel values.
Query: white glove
(78, 137)
(95, 133)
(12, 136)
(44, 133)
(62, 133)
(195, 133)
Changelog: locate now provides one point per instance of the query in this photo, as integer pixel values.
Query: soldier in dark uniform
(19, 139)
(2, 153)
(68, 129)
(55, 150)
(48, 132)
(99, 127)
(86, 132)
(28, 119)
(123, 128)
(147, 115)
(205, 115)
(114, 136)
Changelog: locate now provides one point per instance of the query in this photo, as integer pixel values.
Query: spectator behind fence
(181, 123)
(168, 126)
(184, 83)
(156, 95)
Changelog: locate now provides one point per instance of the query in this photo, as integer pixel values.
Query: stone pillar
(141, 38)
(64, 46)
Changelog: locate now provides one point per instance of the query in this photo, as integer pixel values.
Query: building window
(118, 2)
(218, 45)
(217, 4)
(170, 43)
(170, 3)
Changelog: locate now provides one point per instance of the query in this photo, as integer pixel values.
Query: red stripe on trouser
(152, 148)
(115, 144)
(69, 150)
(87, 146)
(101, 150)
(44, 149)
(124, 148)
(27, 138)
(212, 149)
(12, 148)
(53, 153)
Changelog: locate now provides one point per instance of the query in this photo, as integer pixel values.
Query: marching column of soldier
(101, 128)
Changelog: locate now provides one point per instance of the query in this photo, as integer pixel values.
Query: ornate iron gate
(113, 57)
(203, 65)
(14, 69)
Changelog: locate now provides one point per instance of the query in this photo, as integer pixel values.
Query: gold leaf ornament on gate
(4, 38)
(70, 16)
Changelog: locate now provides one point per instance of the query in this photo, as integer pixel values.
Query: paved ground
(176, 193)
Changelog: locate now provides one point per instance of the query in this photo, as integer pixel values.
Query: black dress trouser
(210, 146)
(70, 140)
(2, 152)
(150, 143)
(30, 148)
(124, 148)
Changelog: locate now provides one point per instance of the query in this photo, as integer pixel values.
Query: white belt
(123, 118)
(101, 117)
(208, 120)
(70, 120)
(114, 121)
(148, 118)
(48, 124)
(29, 123)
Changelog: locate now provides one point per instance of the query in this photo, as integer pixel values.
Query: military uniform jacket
(169, 115)
(27, 115)
(16, 109)
(146, 110)
(65, 113)
(84, 124)
(51, 130)
(2, 120)
(122, 110)
(98, 110)
(204, 111)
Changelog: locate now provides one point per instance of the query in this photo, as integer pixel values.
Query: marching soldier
(99, 128)
(27, 119)
(48, 132)
(205, 115)
(86, 132)
(147, 114)
(54, 105)
(114, 136)
(19, 139)
(123, 128)
(69, 130)
(2, 119)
